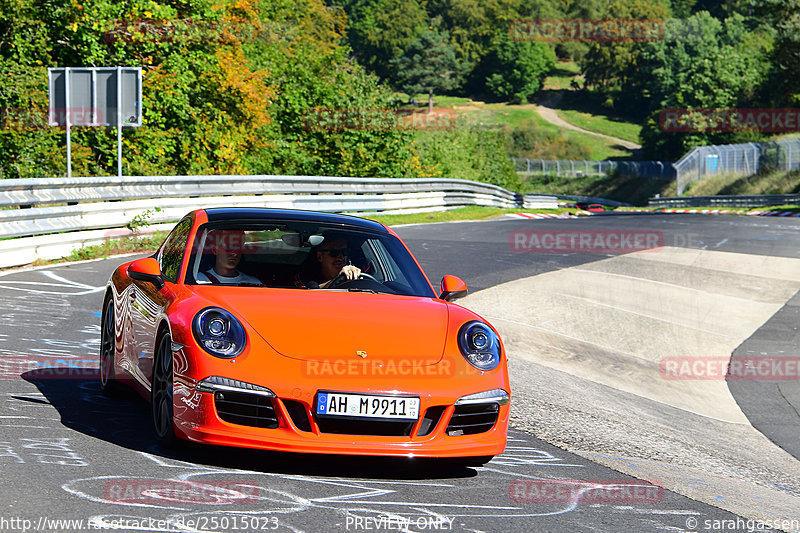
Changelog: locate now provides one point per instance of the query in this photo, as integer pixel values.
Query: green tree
(608, 66)
(704, 63)
(516, 70)
(226, 86)
(428, 65)
(380, 30)
(784, 15)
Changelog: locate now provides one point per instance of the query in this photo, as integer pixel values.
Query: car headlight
(479, 345)
(219, 333)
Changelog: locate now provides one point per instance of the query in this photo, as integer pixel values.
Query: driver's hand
(350, 272)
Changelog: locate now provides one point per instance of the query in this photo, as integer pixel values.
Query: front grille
(245, 409)
(377, 428)
(472, 419)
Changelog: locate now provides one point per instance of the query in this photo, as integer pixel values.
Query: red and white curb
(697, 211)
(772, 213)
(542, 215)
(668, 211)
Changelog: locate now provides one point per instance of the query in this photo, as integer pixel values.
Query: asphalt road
(69, 453)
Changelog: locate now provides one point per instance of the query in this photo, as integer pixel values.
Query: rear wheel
(161, 392)
(108, 384)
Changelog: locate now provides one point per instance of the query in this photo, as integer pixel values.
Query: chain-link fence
(576, 168)
(737, 159)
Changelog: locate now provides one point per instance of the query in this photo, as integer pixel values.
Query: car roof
(263, 213)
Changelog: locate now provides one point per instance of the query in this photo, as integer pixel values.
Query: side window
(174, 248)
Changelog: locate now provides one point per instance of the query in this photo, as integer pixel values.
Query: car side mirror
(452, 287)
(147, 270)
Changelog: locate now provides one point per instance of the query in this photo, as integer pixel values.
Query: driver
(332, 262)
(227, 246)
(332, 258)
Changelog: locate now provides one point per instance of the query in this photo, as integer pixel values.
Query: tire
(109, 386)
(161, 393)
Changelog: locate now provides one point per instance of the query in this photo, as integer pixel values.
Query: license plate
(367, 406)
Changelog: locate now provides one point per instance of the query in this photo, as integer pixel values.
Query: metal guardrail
(579, 168)
(22, 192)
(110, 202)
(764, 200)
(591, 200)
(98, 208)
(539, 201)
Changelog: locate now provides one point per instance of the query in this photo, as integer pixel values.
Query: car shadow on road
(125, 422)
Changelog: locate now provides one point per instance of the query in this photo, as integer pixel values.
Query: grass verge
(629, 189)
(602, 124)
(585, 109)
(766, 183)
(123, 245)
(462, 213)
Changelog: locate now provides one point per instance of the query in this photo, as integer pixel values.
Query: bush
(471, 153)
(514, 70)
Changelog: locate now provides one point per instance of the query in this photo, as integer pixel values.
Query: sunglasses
(336, 252)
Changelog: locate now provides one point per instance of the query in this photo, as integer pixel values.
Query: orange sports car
(303, 332)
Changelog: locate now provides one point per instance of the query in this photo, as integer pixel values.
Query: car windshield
(293, 254)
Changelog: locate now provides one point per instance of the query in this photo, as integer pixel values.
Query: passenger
(227, 246)
(329, 261)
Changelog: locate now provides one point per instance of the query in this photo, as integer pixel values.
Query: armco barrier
(62, 190)
(763, 200)
(98, 208)
(591, 200)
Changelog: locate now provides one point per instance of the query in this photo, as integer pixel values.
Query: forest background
(341, 88)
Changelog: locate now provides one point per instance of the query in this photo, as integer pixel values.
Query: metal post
(789, 158)
(119, 122)
(67, 110)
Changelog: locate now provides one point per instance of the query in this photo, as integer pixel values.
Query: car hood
(330, 326)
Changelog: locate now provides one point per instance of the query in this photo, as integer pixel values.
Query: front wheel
(161, 393)
(108, 384)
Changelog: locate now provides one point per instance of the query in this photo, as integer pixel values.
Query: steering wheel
(342, 278)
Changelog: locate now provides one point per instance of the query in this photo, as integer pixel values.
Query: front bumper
(287, 421)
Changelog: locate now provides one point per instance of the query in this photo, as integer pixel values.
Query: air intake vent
(430, 420)
(473, 418)
(245, 409)
(297, 412)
